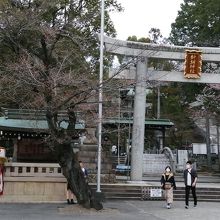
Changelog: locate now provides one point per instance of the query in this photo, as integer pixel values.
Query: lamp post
(100, 99)
(130, 95)
(119, 126)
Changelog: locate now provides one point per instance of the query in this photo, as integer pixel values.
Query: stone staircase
(203, 194)
(203, 178)
(153, 166)
(137, 192)
(208, 188)
(120, 191)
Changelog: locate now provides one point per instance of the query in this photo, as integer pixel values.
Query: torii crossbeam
(143, 51)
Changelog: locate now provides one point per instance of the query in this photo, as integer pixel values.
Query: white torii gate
(143, 51)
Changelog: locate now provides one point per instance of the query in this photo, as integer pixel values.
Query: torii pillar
(138, 122)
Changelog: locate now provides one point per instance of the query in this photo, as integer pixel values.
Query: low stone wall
(37, 182)
(33, 182)
(27, 190)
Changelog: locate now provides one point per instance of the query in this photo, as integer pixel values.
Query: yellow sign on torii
(193, 64)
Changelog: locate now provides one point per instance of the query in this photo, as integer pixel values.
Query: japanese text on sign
(193, 64)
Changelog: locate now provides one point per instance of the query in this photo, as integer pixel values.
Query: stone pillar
(139, 121)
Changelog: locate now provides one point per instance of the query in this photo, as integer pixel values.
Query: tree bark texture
(62, 143)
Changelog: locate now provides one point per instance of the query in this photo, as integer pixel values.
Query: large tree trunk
(62, 142)
(71, 169)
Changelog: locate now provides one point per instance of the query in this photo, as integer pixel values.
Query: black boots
(70, 201)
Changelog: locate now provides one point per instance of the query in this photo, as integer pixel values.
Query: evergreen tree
(197, 24)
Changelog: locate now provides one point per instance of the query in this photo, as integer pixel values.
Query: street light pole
(100, 98)
(158, 102)
(218, 146)
(119, 126)
(208, 141)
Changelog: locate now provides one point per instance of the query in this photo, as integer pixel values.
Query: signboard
(200, 148)
(182, 156)
(193, 64)
(155, 192)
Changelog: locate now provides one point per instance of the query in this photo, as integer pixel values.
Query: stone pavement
(113, 209)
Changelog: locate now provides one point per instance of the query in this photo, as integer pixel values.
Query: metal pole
(208, 141)
(158, 133)
(129, 138)
(158, 102)
(119, 126)
(100, 98)
(217, 127)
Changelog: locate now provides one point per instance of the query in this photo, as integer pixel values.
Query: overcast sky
(140, 16)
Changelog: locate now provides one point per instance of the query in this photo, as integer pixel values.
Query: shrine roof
(31, 124)
(150, 123)
(27, 120)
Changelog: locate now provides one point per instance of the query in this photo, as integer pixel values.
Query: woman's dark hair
(168, 167)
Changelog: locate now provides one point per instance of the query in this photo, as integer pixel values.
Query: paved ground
(113, 209)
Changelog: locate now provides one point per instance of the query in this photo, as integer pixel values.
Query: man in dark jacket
(190, 179)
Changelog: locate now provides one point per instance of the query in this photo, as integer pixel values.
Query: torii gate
(143, 51)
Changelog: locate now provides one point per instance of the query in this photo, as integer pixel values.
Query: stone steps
(179, 178)
(126, 191)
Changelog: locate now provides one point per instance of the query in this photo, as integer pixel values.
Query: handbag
(167, 185)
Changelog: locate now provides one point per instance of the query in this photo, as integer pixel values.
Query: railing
(44, 172)
(13, 169)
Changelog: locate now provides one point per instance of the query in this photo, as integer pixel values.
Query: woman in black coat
(168, 184)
